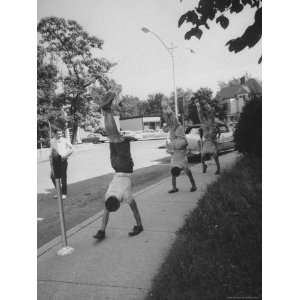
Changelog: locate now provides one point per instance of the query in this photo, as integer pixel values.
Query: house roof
(251, 86)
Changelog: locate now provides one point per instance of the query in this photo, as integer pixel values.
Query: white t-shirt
(120, 187)
(62, 146)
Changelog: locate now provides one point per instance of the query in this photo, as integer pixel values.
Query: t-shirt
(179, 158)
(120, 157)
(62, 146)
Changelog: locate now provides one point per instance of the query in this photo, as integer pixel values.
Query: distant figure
(178, 148)
(61, 149)
(120, 188)
(208, 134)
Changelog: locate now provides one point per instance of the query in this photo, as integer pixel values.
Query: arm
(199, 111)
(70, 149)
(51, 161)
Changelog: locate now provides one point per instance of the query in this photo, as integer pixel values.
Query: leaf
(190, 16)
(181, 20)
(193, 32)
(260, 59)
(224, 22)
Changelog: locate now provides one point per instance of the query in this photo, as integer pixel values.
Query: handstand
(119, 190)
(178, 146)
(209, 130)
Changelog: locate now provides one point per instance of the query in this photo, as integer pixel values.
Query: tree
(154, 104)
(201, 94)
(218, 10)
(248, 133)
(48, 109)
(130, 107)
(73, 49)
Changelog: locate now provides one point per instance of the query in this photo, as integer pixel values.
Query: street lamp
(170, 51)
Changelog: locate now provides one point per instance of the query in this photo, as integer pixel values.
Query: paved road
(96, 162)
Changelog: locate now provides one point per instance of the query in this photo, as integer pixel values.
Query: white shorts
(121, 188)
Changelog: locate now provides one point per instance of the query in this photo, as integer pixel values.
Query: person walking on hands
(120, 188)
(177, 148)
(209, 132)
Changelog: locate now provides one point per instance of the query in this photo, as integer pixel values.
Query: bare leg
(111, 127)
(105, 219)
(189, 174)
(100, 235)
(204, 165)
(216, 158)
(136, 213)
(174, 188)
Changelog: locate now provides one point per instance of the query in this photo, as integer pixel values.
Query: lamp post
(170, 51)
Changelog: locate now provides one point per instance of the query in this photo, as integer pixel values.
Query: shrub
(248, 134)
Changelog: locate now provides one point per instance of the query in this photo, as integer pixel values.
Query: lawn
(217, 253)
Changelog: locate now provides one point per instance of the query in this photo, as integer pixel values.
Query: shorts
(121, 188)
(120, 157)
(179, 159)
(209, 147)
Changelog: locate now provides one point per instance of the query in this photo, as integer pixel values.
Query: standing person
(120, 188)
(61, 149)
(178, 148)
(208, 135)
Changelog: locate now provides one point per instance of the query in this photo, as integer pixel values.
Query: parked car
(94, 138)
(150, 134)
(130, 135)
(225, 140)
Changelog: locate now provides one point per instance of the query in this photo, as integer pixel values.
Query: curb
(56, 241)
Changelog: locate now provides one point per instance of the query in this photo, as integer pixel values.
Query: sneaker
(173, 191)
(136, 230)
(100, 235)
(64, 197)
(193, 189)
(107, 101)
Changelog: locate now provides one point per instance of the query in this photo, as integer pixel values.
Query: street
(96, 161)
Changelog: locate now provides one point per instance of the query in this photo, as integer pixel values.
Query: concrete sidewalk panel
(119, 261)
(70, 291)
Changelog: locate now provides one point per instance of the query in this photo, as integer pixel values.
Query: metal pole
(65, 250)
(174, 83)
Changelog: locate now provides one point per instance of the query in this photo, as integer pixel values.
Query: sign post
(65, 250)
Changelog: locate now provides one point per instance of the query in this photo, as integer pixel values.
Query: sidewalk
(121, 267)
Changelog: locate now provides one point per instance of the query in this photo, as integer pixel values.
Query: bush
(248, 134)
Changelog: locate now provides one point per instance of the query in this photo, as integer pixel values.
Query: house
(235, 96)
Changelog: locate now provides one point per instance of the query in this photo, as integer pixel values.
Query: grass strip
(217, 253)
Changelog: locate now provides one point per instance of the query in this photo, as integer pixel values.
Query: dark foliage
(207, 11)
(217, 253)
(248, 134)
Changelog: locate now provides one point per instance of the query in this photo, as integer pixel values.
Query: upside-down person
(178, 148)
(120, 188)
(209, 130)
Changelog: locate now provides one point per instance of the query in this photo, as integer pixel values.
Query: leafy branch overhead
(214, 10)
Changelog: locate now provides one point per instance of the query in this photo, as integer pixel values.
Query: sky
(143, 65)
